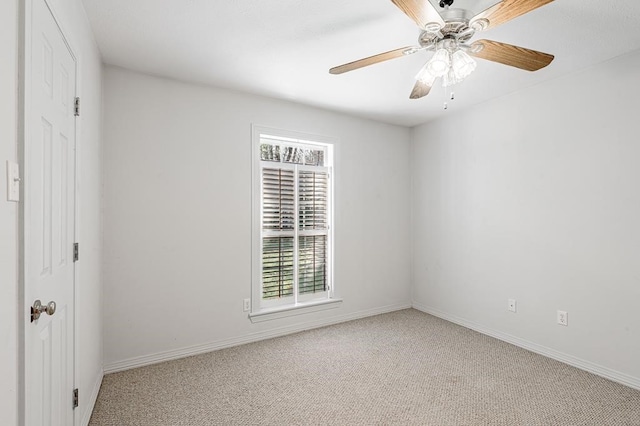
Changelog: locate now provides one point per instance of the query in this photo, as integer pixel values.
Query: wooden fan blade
(508, 10)
(509, 54)
(419, 90)
(421, 11)
(392, 54)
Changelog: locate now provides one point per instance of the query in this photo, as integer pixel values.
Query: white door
(49, 219)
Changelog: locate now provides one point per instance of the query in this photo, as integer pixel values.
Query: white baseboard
(142, 361)
(607, 373)
(92, 401)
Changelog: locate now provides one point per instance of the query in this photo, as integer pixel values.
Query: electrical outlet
(512, 305)
(563, 318)
(246, 305)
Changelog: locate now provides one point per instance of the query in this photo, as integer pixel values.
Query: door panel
(49, 220)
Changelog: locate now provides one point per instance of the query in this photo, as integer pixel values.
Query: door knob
(38, 308)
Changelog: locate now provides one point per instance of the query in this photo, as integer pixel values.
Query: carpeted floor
(402, 368)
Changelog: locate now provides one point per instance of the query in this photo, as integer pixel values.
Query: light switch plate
(13, 181)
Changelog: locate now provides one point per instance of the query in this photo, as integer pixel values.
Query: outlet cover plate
(511, 305)
(563, 318)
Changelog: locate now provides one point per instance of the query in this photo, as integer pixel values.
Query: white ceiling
(284, 48)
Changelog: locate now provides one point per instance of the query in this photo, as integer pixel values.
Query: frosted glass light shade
(462, 64)
(424, 76)
(439, 64)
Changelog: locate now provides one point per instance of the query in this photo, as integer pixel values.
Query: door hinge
(75, 398)
(76, 107)
(76, 251)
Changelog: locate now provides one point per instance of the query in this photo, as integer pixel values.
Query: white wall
(535, 196)
(177, 228)
(8, 213)
(74, 22)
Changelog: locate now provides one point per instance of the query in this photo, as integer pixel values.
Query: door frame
(24, 135)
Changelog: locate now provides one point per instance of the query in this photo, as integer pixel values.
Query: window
(292, 215)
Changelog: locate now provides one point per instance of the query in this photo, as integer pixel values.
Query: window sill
(288, 311)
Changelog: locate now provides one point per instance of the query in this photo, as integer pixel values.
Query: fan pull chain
(446, 89)
(452, 97)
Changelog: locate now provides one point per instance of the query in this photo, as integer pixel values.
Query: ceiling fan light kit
(448, 34)
(450, 62)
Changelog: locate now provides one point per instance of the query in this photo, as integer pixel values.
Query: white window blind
(294, 222)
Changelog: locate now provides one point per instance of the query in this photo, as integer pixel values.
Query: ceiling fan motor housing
(457, 24)
(459, 27)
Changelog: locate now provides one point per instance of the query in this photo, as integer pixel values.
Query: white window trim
(305, 304)
(291, 310)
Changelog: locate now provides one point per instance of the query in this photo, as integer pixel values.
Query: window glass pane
(277, 267)
(293, 155)
(312, 202)
(314, 157)
(278, 195)
(299, 155)
(269, 152)
(312, 264)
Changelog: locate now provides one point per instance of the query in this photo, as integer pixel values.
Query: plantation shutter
(277, 267)
(312, 216)
(278, 214)
(312, 206)
(312, 261)
(278, 194)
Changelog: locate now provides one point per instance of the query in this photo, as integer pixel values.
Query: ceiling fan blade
(421, 11)
(392, 54)
(419, 90)
(506, 11)
(509, 54)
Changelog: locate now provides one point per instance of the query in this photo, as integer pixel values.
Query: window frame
(262, 310)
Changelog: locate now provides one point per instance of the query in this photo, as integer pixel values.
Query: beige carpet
(402, 368)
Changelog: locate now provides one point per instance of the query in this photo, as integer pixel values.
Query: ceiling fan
(449, 33)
